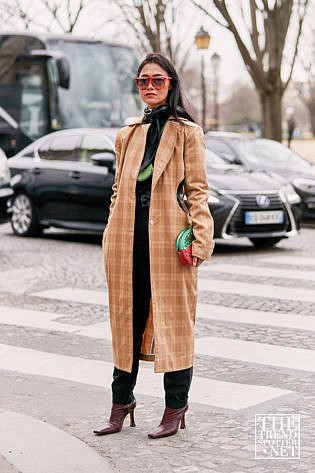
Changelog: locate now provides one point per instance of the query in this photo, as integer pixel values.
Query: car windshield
(270, 154)
(215, 161)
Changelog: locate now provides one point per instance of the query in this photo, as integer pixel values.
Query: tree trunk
(271, 114)
(311, 109)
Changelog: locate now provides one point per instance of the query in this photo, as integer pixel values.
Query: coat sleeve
(118, 143)
(197, 191)
(117, 173)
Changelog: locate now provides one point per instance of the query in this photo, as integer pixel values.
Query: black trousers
(176, 383)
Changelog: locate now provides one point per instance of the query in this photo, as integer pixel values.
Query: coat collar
(164, 151)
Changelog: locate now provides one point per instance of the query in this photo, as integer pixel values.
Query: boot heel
(132, 419)
(182, 422)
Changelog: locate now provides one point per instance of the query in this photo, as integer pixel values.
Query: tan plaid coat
(180, 156)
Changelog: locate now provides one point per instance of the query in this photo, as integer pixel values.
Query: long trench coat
(180, 157)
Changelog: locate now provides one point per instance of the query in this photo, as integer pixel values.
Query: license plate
(264, 217)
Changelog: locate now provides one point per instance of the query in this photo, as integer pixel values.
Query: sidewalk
(306, 148)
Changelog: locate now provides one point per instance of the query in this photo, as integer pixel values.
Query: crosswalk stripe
(262, 353)
(47, 320)
(24, 275)
(243, 270)
(256, 317)
(291, 260)
(265, 354)
(213, 285)
(258, 290)
(86, 296)
(220, 394)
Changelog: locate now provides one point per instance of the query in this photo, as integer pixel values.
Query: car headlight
(291, 195)
(4, 169)
(213, 198)
(307, 185)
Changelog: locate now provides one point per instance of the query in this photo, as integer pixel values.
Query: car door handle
(36, 171)
(74, 174)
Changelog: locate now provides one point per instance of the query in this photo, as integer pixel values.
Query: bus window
(25, 97)
(101, 92)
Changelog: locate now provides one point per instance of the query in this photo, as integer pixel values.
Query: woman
(160, 157)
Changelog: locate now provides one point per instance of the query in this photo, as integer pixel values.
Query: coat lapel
(135, 142)
(164, 151)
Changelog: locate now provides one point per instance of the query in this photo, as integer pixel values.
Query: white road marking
(271, 272)
(265, 354)
(89, 296)
(46, 321)
(256, 317)
(221, 394)
(291, 260)
(254, 352)
(258, 290)
(33, 446)
(8, 279)
(86, 296)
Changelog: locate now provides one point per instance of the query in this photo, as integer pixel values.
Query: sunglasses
(156, 82)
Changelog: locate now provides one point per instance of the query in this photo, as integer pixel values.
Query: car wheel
(24, 219)
(265, 242)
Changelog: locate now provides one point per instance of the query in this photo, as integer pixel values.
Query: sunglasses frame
(150, 80)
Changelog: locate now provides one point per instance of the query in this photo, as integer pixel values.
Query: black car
(250, 204)
(65, 180)
(5, 189)
(271, 156)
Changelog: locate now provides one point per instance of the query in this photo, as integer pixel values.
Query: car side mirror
(63, 68)
(106, 159)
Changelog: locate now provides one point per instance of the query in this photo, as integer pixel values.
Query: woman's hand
(197, 261)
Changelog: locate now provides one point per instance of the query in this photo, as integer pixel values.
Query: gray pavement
(305, 148)
(252, 357)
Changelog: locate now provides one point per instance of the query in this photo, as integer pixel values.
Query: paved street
(255, 354)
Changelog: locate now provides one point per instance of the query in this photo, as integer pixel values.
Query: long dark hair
(175, 95)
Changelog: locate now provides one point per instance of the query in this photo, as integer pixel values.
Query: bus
(52, 82)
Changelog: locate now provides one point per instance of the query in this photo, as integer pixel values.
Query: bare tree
(306, 89)
(241, 109)
(267, 33)
(48, 15)
(161, 26)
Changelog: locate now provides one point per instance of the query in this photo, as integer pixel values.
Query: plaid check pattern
(180, 156)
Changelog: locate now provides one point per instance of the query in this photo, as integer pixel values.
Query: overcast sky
(231, 69)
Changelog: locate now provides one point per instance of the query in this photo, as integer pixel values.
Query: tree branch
(303, 4)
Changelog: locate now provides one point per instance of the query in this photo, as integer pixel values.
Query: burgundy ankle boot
(170, 423)
(118, 414)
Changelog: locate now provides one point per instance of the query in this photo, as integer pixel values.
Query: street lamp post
(202, 40)
(215, 61)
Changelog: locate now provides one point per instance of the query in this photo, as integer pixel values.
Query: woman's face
(151, 96)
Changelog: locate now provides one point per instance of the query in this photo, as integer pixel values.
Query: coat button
(151, 221)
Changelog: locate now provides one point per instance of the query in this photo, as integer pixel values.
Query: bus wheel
(24, 219)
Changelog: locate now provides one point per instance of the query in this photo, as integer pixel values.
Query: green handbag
(184, 246)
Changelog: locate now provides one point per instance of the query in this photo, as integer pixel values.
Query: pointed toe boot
(118, 414)
(170, 422)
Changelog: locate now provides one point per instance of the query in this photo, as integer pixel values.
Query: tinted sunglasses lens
(158, 82)
(142, 83)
